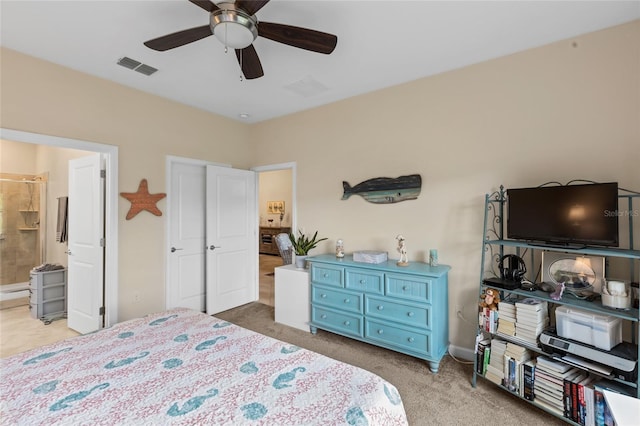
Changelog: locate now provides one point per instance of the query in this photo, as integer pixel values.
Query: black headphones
(515, 270)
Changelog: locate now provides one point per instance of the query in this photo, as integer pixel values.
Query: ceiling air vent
(129, 63)
(132, 64)
(146, 69)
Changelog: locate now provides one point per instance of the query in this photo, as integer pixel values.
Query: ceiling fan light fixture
(233, 28)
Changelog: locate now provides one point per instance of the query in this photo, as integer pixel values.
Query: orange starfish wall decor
(142, 200)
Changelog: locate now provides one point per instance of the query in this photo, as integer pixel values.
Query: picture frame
(275, 207)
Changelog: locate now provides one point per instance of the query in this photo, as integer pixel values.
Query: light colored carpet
(446, 398)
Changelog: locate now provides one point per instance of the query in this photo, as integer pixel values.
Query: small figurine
(490, 299)
(339, 249)
(402, 249)
(557, 295)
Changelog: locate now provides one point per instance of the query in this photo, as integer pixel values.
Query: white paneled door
(85, 306)
(186, 259)
(212, 259)
(231, 236)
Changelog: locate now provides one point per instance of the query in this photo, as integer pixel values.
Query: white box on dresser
(292, 291)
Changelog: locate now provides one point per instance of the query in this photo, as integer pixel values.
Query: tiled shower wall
(19, 227)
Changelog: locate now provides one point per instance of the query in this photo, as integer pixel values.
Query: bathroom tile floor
(19, 332)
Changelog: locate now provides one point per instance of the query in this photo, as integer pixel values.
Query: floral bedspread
(185, 367)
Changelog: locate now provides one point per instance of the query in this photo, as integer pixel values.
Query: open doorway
(110, 154)
(276, 208)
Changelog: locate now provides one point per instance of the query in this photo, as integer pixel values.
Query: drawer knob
(410, 314)
(347, 300)
(326, 275)
(380, 307)
(381, 331)
(323, 316)
(324, 296)
(405, 288)
(362, 281)
(347, 323)
(410, 339)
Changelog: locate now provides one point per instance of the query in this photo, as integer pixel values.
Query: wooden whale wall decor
(384, 190)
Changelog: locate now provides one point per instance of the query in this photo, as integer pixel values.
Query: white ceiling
(380, 44)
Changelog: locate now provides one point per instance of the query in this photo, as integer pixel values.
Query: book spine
(512, 375)
(590, 412)
(480, 358)
(487, 357)
(575, 400)
(582, 404)
(567, 398)
(599, 407)
(529, 381)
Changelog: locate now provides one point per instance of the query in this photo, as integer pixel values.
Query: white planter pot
(301, 262)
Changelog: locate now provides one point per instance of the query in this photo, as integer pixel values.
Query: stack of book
(495, 369)
(514, 356)
(598, 410)
(578, 395)
(549, 386)
(483, 354)
(532, 316)
(488, 320)
(507, 321)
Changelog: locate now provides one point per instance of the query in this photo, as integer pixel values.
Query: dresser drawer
(408, 287)
(336, 321)
(387, 309)
(338, 299)
(403, 339)
(327, 274)
(364, 280)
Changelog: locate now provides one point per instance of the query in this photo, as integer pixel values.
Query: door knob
(69, 252)
(173, 249)
(212, 247)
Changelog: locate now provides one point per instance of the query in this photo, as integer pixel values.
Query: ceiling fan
(235, 25)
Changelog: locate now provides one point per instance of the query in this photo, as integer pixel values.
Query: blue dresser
(402, 308)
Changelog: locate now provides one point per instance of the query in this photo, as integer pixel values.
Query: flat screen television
(572, 215)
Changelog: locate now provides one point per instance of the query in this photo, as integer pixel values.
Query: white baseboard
(461, 352)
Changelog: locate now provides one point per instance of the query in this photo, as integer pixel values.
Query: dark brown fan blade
(303, 38)
(205, 4)
(249, 62)
(251, 6)
(179, 38)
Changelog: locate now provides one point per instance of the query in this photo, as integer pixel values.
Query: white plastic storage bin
(601, 331)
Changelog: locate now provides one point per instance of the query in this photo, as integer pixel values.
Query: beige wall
(555, 113)
(275, 186)
(41, 97)
(19, 158)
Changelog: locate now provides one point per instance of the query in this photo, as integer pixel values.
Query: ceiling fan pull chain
(241, 55)
(226, 46)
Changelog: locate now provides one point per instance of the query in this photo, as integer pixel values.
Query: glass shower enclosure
(22, 222)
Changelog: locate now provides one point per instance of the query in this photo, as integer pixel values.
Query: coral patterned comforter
(185, 367)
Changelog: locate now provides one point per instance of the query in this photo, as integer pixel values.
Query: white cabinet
(292, 297)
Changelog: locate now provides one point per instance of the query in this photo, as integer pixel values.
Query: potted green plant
(302, 244)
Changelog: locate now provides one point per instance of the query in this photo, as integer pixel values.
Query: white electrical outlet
(136, 297)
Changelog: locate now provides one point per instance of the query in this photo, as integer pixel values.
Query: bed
(185, 367)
